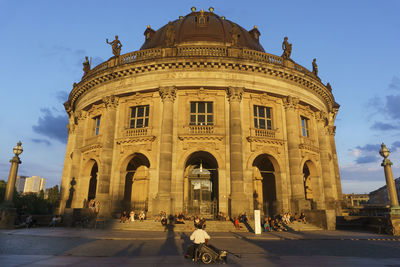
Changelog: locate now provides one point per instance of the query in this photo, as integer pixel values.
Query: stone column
(185, 193)
(298, 201)
(107, 128)
(8, 212)
(387, 166)
(163, 199)
(239, 200)
(15, 161)
(324, 146)
(332, 131)
(79, 119)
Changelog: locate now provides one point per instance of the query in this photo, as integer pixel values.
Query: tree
(53, 195)
(3, 185)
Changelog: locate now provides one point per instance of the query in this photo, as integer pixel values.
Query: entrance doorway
(136, 184)
(264, 185)
(93, 182)
(201, 185)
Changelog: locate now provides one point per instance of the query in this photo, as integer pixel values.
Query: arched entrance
(264, 185)
(93, 182)
(201, 185)
(310, 183)
(136, 184)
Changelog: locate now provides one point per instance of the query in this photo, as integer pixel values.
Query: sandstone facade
(201, 125)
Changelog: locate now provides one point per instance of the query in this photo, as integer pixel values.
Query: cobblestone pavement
(67, 247)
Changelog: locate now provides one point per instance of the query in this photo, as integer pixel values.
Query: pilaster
(324, 148)
(239, 200)
(163, 199)
(293, 132)
(107, 129)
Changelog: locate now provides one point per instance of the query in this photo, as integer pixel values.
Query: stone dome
(202, 26)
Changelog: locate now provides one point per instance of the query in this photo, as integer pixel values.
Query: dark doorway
(93, 182)
(268, 186)
(202, 185)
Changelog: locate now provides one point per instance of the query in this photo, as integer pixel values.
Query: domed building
(202, 120)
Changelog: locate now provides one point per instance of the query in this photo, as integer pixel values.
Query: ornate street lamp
(7, 210)
(387, 165)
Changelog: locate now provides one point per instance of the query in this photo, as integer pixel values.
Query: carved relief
(80, 115)
(110, 101)
(170, 35)
(234, 93)
(168, 93)
(235, 34)
(331, 130)
(321, 117)
(290, 102)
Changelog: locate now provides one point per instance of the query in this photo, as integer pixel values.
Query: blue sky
(356, 44)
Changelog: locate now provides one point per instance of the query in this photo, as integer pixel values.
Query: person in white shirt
(199, 237)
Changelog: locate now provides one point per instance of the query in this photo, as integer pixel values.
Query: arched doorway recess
(264, 185)
(310, 183)
(93, 182)
(136, 184)
(201, 185)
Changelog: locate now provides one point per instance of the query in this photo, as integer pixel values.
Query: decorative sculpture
(315, 67)
(116, 46)
(86, 66)
(235, 34)
(287, 48)
(328, 85)
(170, 35)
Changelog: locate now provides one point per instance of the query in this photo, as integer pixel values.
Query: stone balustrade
(201, 129)
(264, 133)
(308, 144)
(194, 51)
(137, 132)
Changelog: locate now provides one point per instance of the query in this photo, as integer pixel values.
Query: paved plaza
(84, 247)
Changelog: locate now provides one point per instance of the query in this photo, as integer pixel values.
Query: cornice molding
(144, 67)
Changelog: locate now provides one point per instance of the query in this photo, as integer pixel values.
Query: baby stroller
(207, 254)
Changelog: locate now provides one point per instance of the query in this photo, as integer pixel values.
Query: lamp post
(387, 166)
(8, 210)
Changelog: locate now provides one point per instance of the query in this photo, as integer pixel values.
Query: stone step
(300, 227)
(149, 225)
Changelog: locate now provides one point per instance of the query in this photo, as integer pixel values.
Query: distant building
(380, 196)
(34, 184)
(20, 183)
(355, 200)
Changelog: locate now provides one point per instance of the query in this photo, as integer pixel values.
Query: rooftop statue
(116, 46)
(315, 67)
(287, 48)
(86, 66)
(328, 85)
(170, 35)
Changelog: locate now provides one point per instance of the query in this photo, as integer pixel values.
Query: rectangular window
(96, 122)
(201, 113)
(139, 117)
(262, 117)
(305, 124)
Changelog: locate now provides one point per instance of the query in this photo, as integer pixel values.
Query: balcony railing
(137, 132)
(201, 129)
(307, 143)
(264, 133)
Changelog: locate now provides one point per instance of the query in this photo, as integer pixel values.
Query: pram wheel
(206, 258)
